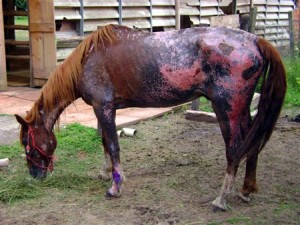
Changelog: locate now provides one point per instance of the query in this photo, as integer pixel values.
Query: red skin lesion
(183, 78)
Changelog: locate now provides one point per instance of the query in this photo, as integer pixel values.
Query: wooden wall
(3, 75)
(272, 21)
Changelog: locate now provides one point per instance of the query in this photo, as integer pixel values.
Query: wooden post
(234, 6)
(253, 13)
(42, 40)
(292, 33)
(177, 14)
(3, 75)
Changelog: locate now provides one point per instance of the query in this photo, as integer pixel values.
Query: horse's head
(39, 144)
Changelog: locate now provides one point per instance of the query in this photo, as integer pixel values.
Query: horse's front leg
(106, 117)
(106, 170)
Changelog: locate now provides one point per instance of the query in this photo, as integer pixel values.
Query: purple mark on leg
(117, 177)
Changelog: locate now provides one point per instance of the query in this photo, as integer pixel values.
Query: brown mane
(61, 86)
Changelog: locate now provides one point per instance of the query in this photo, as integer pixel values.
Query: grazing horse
(117, 67)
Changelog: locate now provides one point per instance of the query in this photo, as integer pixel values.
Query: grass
(78, 152)
(234, 220)
(22, 35)
(292, 67)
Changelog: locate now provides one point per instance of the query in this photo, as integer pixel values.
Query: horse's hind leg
(234, 123)
(250, 185)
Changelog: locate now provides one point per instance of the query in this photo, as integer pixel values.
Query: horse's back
(167, 68)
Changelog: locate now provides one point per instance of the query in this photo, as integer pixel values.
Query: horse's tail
(271, 100)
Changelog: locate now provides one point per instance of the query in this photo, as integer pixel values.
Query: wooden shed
(55, 27)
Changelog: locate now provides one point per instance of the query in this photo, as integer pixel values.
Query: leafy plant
(21, 4)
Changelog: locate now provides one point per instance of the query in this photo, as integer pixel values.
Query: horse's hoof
(218, 205)
(244, 197)
(110, 194)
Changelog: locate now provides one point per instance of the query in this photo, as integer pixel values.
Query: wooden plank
(18, 57)
(16, 27)
(14, 13)
(135, 12)
(230, 20)
(101, 13)
(101, 3)
(141, 23)
(66, 3)
(43, 28)
(163, 2)
(14, 42)
(201, 116)
(3, 75)
(43, 45)
(292, 33)
(163, 11)
(253, 16)
(130, 3)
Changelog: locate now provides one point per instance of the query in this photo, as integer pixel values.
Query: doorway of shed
(17, 47)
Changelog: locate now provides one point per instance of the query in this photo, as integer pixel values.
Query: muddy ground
(174, 170)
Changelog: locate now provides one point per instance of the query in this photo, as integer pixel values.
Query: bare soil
(174, 170)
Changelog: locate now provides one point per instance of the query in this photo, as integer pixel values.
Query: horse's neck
(52, 116)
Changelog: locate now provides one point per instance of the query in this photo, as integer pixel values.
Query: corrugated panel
(163, 11)
(100, 13)
(66, 3)
(190, 11)
(270, 23)
(272, 30)
(138, 23)
(163, 2)
(135, 12)
(101, 3)
(202, 3)
(274, 2)
(163, 22)
(135, 3)
(68, 13)
(91, 25)
(275, 9)
(272, 16)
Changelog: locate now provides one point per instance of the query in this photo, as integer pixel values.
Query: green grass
(292, 67)
(22, 35)
(234, 220)
(78, 153)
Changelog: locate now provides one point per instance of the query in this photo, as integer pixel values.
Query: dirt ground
(174, 170)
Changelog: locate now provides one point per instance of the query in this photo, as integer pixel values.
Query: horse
(116, 67)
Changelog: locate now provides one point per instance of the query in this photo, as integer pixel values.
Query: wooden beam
(14, 42)
(253, 14)
(3, 74)
(18, 57)
(42, 40)
(15, 13)
(16, 27)
(292, 33)
(177, 14)
(45, 27)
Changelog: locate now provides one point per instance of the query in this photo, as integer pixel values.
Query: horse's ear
(21, 120)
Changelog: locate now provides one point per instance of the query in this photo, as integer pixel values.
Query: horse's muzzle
(37, 173)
